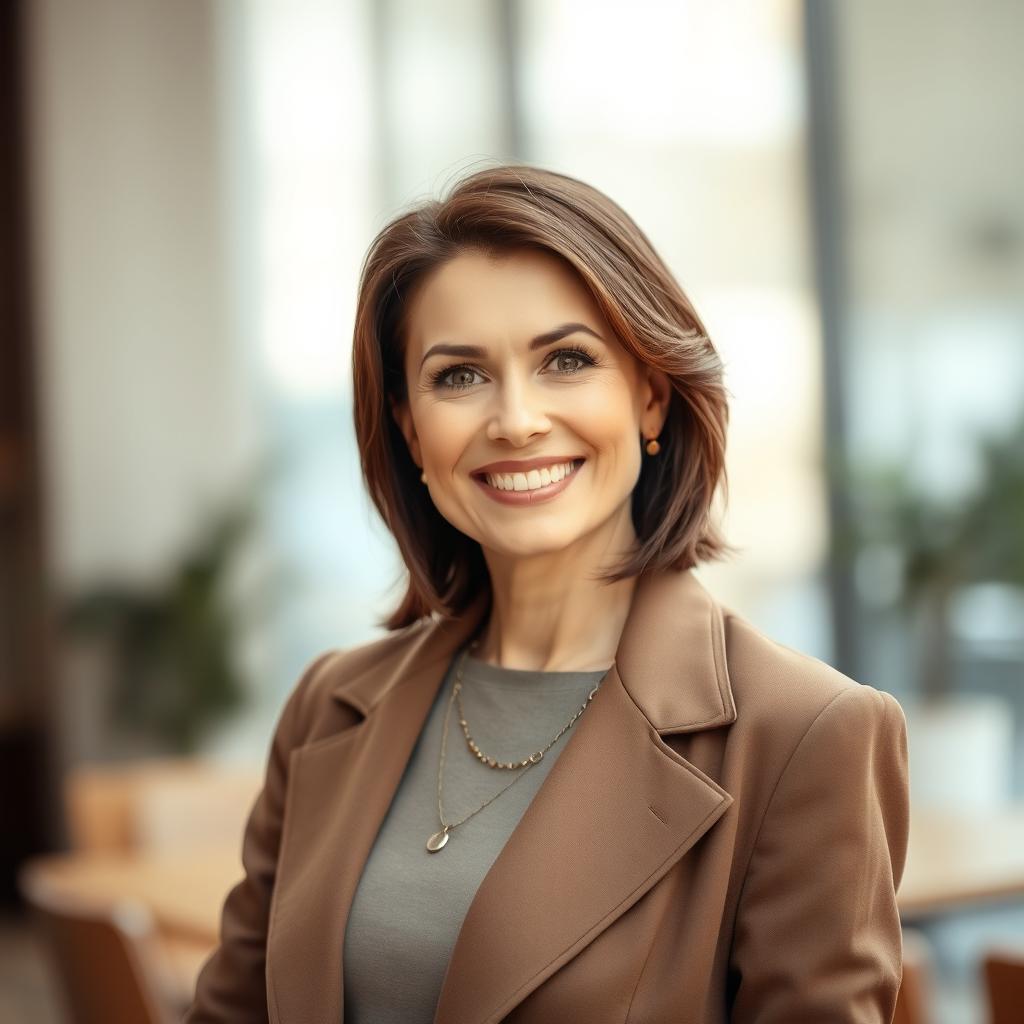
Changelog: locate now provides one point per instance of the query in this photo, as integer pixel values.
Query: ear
(403, 417)
(657, 398)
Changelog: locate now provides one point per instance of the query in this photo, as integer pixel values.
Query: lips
(529, 497)
(524, 465)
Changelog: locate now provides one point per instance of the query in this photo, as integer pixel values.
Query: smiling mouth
(534, 480)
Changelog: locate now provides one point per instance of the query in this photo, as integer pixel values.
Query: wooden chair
(1003, 971)
(913, 1000)
(106, 958)
(158, 804)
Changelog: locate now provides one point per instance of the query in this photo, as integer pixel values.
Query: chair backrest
(105, 958)
(913, 999)
(158, 804)
(1003, 971)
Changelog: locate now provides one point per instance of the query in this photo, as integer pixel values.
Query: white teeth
(529, 481)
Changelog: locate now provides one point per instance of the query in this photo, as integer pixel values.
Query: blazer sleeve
(231, 986)
(817, 933)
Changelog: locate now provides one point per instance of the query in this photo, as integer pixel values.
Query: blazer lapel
(590, 844)
(586, 849)
(339, 790)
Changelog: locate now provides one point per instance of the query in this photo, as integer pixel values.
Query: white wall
(145, 396)
(147, 399)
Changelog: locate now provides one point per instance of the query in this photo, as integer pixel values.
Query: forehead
(515, 295)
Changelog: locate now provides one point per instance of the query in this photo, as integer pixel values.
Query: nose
(518, 414)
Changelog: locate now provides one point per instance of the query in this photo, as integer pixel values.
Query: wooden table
(955, 860)
(184, 891)
(962, 858)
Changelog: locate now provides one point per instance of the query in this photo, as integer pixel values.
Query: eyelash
(581, 352)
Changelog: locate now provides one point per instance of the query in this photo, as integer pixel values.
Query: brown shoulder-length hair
(495, 210)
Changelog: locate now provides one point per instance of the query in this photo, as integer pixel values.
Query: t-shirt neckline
(479, 671)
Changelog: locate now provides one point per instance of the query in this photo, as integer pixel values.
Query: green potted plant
(942, 547)
(171, 646)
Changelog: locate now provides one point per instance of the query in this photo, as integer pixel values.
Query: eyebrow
(541, 341)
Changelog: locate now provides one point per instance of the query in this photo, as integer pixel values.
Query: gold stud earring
(653, 447)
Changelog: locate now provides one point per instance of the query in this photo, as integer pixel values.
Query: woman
(567, 784)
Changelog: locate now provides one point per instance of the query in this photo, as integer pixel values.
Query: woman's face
(509, 361)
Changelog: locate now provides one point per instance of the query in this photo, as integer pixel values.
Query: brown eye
(581, 357)
(449, 378)
(561, 367)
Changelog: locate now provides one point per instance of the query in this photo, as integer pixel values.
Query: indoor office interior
(186, 196)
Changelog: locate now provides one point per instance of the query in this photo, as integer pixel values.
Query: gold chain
(494, 763)
(526, 764)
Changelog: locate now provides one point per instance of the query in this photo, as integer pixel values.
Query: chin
(533, 543)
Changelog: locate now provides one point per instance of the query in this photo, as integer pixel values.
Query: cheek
(444, 430)
(608, 424)
(605, 417)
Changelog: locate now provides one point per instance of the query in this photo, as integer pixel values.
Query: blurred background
(186, 194)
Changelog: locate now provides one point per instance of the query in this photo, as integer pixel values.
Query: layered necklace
(439, 839)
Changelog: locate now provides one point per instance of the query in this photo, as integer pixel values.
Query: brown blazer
(720, 840)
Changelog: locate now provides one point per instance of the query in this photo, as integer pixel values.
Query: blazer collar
(669, 676)
(670, 657)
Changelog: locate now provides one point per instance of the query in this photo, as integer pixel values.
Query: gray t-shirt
(410, 903)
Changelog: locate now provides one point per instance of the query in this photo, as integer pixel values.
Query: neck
(550, 614)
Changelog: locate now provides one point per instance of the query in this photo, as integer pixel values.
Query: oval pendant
(437, 840)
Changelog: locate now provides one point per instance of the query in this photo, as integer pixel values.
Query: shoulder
(810, 746)
(784, 691)
(360, 673)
